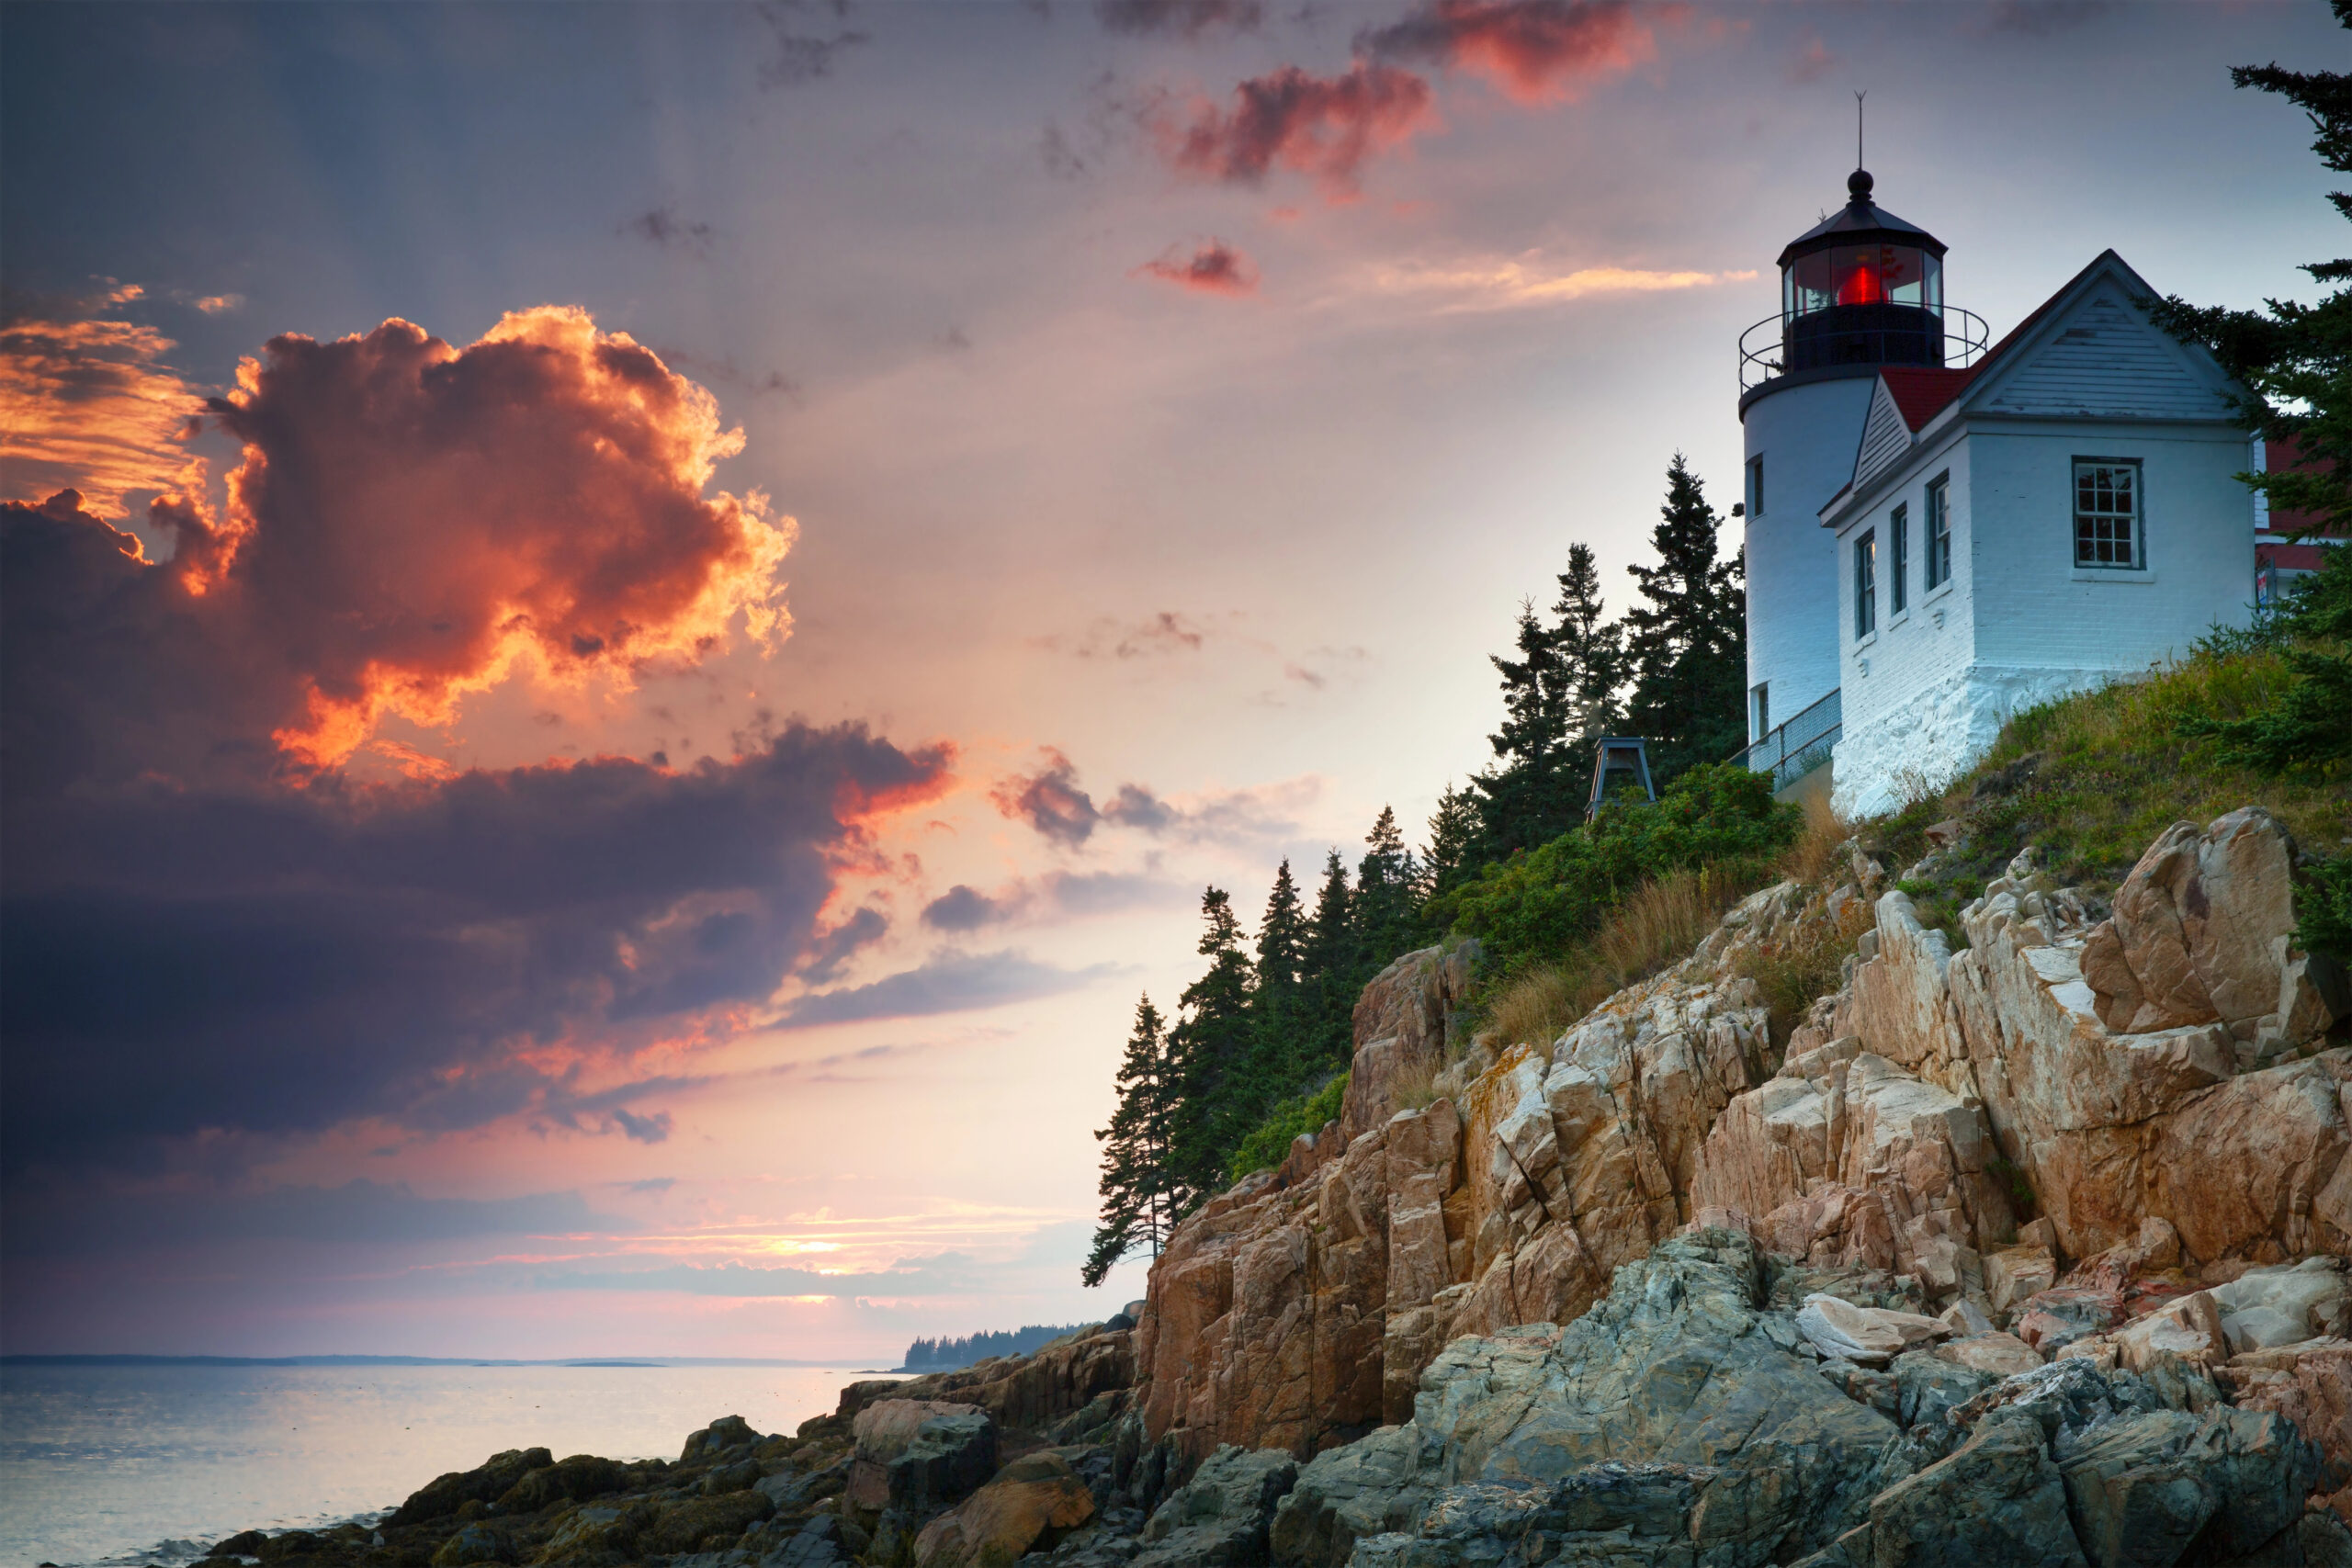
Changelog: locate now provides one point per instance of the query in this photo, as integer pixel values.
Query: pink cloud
(1536, 52)
(1213, 268)
(1324, 127)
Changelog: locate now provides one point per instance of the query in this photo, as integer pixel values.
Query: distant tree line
(1259, 1040)
(946, 1355)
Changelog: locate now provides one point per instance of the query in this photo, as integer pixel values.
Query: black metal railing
(1797, 746)
(1765, 351)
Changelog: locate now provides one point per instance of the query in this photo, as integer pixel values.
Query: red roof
(1920, 392)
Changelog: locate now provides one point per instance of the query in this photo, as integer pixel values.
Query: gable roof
(1908, 398)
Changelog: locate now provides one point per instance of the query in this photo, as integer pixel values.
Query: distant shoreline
(582, 1362)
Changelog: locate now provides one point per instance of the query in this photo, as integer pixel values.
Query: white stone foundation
(1938, 732)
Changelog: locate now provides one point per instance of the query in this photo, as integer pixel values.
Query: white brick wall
(2020, 624)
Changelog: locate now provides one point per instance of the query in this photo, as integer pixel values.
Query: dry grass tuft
(1814, 858)
(1657, 926)
(1415, 1083)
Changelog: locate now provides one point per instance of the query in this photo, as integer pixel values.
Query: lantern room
(1861, 287)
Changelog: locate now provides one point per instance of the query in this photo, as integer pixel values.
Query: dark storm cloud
(75, 1221)
(1213, 268)
(178, 959)
(952, 982)
(1534, 50)
(966, 908)
(1182, 19)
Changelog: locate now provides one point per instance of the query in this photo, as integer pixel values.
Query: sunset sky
(669, 606)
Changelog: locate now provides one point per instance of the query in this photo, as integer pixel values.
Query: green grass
(2091, 781)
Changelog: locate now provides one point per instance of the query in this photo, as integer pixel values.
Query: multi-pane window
(1755, 486)
(1866, 584)
(1898, 553)
(1939, 529)
(2107, 514)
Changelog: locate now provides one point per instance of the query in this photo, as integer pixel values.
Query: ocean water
(149, 1464)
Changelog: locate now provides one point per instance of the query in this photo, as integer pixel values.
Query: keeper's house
(1940, 533)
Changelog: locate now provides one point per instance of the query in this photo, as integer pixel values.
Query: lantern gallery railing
(1797, 747)
(1948, 336)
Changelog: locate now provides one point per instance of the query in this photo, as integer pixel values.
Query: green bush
(1537, 904)
(2324, 909)
(1269, 1145)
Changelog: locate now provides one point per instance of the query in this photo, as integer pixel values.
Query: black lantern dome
(1861, 287)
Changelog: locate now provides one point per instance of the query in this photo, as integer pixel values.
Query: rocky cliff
(2088, 1132)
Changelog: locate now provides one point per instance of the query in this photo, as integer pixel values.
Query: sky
(665, 609)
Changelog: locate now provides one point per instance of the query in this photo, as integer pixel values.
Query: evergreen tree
(2295, 363)
(1453, 833)
(1137, 1186)
(1329, 969)
(1279, 1025)
(1385, 903)
(1215, 1103)
(1687, 641)
(1591, 655)
(1519, 796)
(1559, 694)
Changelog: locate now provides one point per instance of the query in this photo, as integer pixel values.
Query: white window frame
(1938, 532)
(2138, 515)
(1866, 585)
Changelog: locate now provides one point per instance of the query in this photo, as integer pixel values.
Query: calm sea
(149, 1464)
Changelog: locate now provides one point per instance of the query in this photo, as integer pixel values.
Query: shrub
(1535, 906)
(1656, 927)
(1805, 966)
(1269, 1143)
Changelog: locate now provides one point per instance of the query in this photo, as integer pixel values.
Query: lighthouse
(1942, 535)
(1859, 291)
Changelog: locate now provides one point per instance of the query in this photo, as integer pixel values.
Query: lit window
(1866, 584)
(1899, 554)
(1939, 529)
(2107, 514)
(1755, 486)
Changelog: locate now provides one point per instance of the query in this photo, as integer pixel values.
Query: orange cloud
(1325, 127)
(410, 520)
(90, 406)
(1536, 52)
(1213, 268)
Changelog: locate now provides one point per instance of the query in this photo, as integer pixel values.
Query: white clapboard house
(1940, 533)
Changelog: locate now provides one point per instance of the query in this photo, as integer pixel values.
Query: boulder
(2190, 940)
(1869, 1336)
(919, 1456)
(2014, 1273)
(2144, 1486)
(727, 1432)
(1351, 1493)
(1998, 1499)
(2003, 1355)
(1222, 1516)
(2190, 1328)
(474, 1543)
(576, 1480)
(687, 1525)
(2310, 1385)
(1031, 1504)
(2266, 1308)
(446, 1493)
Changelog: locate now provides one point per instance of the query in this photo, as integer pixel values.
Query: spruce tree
(1384, 901)
(1279, 1022)
(1687, 641)
(1453, 833)
(1329, 969)
(1216, 1104)
(1590, 653)
(1518, 796)
(1136, 1189)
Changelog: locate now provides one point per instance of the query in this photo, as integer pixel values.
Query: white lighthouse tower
(1859, 291)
